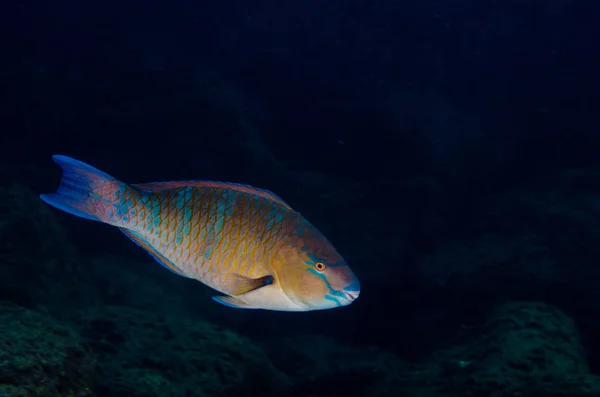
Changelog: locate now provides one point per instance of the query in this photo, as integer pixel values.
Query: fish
(244, 242)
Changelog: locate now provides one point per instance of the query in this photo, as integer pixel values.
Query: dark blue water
(449, 151)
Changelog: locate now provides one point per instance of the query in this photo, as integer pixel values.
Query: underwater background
(449, 150)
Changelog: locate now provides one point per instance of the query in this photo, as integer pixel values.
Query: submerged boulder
(40, 357)
(524, 348)
(38, 263)
(325, 367)
(142, 354)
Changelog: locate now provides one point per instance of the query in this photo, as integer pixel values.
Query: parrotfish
(244, 242)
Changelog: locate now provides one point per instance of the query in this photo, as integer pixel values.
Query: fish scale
(200, 244)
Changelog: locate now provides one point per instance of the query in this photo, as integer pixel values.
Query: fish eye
(320, 266)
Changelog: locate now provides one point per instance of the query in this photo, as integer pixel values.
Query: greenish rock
(523, 349)
(142, 354)
(40, 357)
(325, 367)
(38, 263)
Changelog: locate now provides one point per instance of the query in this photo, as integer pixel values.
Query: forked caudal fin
(84, 191)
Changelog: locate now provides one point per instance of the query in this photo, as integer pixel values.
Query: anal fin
(139, 240)
(230, 301)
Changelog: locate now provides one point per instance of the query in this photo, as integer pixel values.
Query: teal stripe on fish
(332, 292)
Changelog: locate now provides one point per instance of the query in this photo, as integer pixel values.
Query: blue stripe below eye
(332, 291)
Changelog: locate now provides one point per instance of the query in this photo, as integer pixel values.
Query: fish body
(244, 242)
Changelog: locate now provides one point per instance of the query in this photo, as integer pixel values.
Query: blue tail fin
(80, 189)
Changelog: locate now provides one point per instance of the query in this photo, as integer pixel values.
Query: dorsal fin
(156, 187)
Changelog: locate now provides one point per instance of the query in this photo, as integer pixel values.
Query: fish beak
(352, 291)
(351, 295)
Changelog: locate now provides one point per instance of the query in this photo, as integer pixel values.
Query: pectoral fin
(239, 285)
(230, 301)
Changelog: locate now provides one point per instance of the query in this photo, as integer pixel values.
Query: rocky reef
(523, 348)
(79, 325)
(39, 356)
(142, 354)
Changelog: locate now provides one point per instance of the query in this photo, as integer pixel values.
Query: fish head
(313, 274)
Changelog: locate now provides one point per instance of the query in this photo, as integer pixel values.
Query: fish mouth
(352, 291)
(351, 295)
